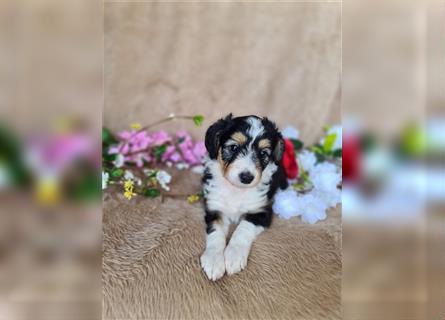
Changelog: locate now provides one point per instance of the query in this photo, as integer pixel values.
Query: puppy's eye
(232, 147)
(264, 153)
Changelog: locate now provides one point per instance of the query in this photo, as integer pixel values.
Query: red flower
(289, 161)
(351, 158)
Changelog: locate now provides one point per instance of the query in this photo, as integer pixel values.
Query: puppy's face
(244, 147)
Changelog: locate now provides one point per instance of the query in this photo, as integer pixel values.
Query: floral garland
(127, 154)
(131, 159)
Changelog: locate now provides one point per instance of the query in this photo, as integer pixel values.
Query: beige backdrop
(282, 60)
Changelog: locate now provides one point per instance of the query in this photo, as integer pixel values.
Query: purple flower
(137, 147)
(160, 138)
(199, 150)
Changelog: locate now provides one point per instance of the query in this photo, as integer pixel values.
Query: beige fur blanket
(151, 269)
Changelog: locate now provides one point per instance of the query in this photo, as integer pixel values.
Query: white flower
(337, 129)
(307, 160)
(163, 178)
(128, 175)
(324, 176)
(325, 179)
(286, 203)
(289, 204)
(105, 178)
(182, 166)
(290, 133)
(119, 161)
(312, 208)
(330, 199)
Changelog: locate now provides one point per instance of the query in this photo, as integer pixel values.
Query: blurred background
(57, 71)
(51, 55)
(393, 159)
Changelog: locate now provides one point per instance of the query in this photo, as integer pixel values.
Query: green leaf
(117, 173)
(320, 157)
(329, 141)
(109, 157)
(337, 153)
(87, 188)
(298, 144)
(299, 186)
(159, 151)
(11, 156)
(304, 175)
(107, 137)
(198, 119)
(152, 174)
(152, 192)
(317, 148)
(368, 142)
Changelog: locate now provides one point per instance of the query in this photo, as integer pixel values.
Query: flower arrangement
(314, 174)
(132, 158)
(127, 155)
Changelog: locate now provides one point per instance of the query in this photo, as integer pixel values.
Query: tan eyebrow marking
(239, 137)
(264, 143)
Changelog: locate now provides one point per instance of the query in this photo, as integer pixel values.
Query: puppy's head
(244, 147)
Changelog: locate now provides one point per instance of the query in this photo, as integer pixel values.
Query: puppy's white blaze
(256, 127)
(244, 163)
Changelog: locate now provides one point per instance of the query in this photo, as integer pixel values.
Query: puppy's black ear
(213, 135)
(273, 129)
(279, 149)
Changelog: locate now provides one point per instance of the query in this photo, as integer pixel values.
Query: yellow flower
(129, 189)
(48, 191)
(136, 126)
(193, 198)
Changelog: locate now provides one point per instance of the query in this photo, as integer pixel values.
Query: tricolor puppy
(241, 176)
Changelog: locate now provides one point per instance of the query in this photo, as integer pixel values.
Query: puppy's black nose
(245, 177)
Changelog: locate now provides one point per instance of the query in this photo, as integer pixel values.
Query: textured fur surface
(151, 268)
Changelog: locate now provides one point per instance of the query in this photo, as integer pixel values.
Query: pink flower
(160, 138)
(175, 157)
(168, 153)
(189, 157)
(137, 147)
(199, 150)
(58, 152)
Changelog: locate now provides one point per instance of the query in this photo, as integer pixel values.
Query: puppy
(242, 173)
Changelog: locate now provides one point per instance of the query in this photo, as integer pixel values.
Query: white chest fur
(232, 201)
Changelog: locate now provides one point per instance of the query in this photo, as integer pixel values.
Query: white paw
(212, 261)
(235, 257)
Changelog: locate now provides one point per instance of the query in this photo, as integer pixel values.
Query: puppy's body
(241, 176)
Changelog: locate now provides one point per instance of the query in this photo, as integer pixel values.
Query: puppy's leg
(238, 250)
(212, 260)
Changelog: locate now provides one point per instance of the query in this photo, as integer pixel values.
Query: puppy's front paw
(235, 257)
(212, 261)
